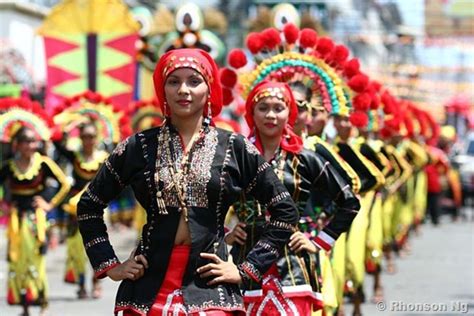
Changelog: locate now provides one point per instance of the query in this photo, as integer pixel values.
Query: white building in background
(18, 23)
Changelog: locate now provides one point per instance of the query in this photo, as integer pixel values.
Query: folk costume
(27, 244)
(289, 55)
(292, 285)
(201, 184)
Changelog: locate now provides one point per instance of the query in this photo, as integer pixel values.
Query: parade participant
(26, 175)
(370, 147)
(293, 55)
(85, 164)
(302, 95)
(77, 120)
(271, 112)
(185, 173)
(371, 179)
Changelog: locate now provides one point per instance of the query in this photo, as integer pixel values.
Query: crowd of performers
(331, 176)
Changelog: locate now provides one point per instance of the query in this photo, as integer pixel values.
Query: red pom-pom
(376, 85)
(325, 46)
(271, 38)
(228, 77)
(361, 102)
(254, 42)
(358, 83)
(351, 68)
(359, 119)
(387, 102)
(340, 54)
(227, 96)
(308, 38)
(375, 101)
(392, 124)
(237, 58)
(291, 32)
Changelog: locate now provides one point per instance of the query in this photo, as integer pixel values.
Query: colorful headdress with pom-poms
(375, 109)
(17, 112)
(300, 55)
(112, 123)
(145, 114)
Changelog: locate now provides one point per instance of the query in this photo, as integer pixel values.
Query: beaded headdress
(300, 55)
(113, 125)
(15, 112)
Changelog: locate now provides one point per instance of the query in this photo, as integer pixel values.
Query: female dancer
(85, 164)
(26, 174)
(271, 112)
(186, 174)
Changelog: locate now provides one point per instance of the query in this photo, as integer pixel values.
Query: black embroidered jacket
(302, 174)
(222, 166)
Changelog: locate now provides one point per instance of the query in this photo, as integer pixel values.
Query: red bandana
(195, 59)
(289, 142)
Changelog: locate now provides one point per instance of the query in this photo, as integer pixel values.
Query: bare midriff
(183, 235)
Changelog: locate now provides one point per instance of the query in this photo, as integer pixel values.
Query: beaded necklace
(178, 175)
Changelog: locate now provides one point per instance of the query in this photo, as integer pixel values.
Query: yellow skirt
(76, 258)
(420, 198)
(357, 240)
(27, 283)
(339, 267)
(375, 234)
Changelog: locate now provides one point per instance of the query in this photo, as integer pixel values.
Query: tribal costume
(221, 165)
(294, 277)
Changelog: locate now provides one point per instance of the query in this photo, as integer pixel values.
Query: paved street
(438, 273)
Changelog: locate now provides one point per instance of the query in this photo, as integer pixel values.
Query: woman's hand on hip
(39, 202)
(219, 270)
(133, 268)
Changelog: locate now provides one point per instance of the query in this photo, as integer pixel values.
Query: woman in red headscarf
(185, 173)
(292, 283)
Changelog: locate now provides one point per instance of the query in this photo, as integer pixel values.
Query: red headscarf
(290, 142)
(196, 59)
